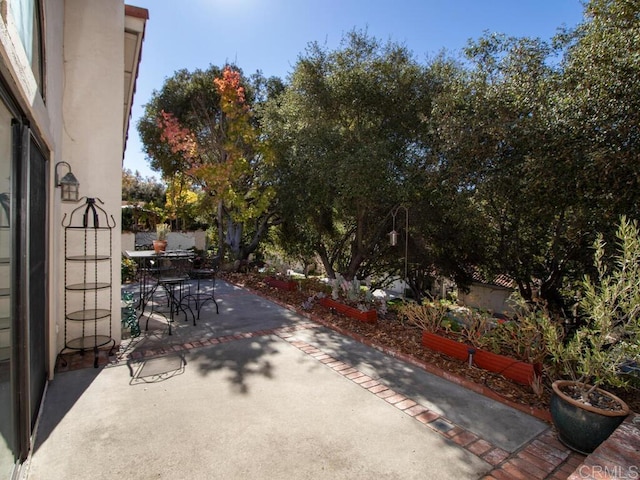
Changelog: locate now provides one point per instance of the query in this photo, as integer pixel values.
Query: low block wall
(175, 240)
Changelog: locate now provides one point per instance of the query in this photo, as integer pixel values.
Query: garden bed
(367, 316)
(390, 333)
(520, 372)
(281, 284)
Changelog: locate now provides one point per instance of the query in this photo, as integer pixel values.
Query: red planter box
(282, 284)
(521, 372)
(368, 316)
(445, 345)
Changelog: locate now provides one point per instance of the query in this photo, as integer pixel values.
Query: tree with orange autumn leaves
(203, 126)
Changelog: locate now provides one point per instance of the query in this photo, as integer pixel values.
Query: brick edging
(541, 414)
(618, 456)
(462, 437)
(543, 456)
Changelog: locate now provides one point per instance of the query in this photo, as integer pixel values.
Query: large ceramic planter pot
(583, 427)
(289, 285)
(520, 372)
(367, 316)
(159, 245)
(445, 345)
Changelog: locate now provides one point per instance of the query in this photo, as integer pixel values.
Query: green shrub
(426, 315)
(127, 269)
(521, 338)
(610, 336)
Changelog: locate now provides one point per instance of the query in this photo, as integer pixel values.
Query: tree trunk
(354, 266)
(357, 248)
(321, 250)
(234, 237)
(550, 293)
(525, 290)
(262, 227)
(220, 218)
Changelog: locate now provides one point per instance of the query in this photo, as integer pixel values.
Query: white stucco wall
(175, 240)
(80, 123)
(54, 89)
(92, 117)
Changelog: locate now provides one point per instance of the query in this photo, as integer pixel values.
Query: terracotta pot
(159, 245)
(445, 345)
(282, 284)
(583, 427)
(518, 371)
(368, 316)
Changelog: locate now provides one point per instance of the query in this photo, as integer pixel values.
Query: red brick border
(542, 458)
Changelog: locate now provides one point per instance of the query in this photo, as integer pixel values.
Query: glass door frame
(22, 404)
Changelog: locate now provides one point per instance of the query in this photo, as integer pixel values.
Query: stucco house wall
(81, 122)
(77, 112)
(487, 297)
(92, 140)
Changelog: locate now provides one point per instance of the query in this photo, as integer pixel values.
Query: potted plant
(160, 244)
(583, 412)
(509, 348)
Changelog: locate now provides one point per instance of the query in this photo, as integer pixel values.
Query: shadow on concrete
(498, 423)
(157, 369)
(240, 312)
(61, 396)
(248, 395)
(242, 358)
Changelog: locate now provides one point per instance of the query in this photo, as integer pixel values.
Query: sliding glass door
(23, 284)
(8, 377)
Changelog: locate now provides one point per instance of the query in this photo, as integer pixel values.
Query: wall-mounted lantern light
(70, 186)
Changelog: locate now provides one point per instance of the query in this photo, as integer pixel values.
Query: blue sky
(269, 35)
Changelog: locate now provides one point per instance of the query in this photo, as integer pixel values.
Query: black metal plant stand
(88, 271)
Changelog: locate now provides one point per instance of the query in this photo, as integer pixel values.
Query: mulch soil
(391, 333)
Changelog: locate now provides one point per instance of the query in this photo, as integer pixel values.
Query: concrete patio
(260, 391)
